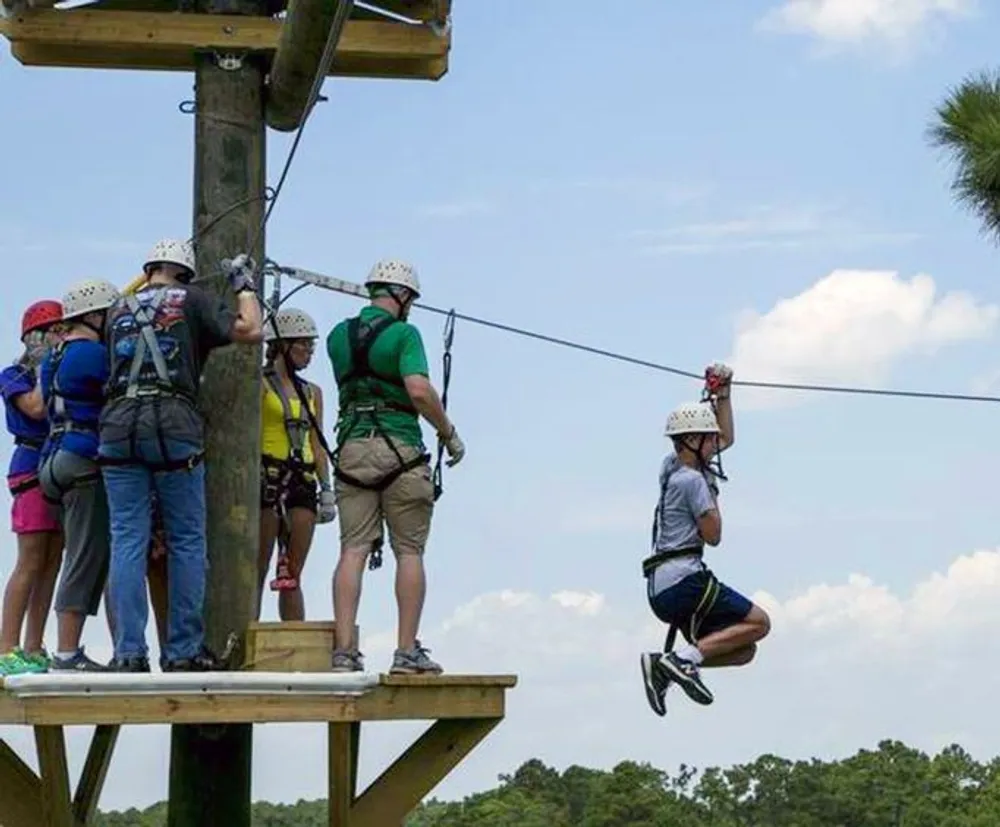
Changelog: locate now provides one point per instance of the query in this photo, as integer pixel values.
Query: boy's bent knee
(761, 620)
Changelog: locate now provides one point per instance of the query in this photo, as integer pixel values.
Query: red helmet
(41, 314)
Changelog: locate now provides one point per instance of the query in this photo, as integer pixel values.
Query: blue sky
(638, 183)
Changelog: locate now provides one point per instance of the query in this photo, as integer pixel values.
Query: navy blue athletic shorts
(676, 604)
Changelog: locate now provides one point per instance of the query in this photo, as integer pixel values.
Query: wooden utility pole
(231, 45)
(210, 765)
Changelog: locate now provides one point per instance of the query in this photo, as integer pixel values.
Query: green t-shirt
(398, 352)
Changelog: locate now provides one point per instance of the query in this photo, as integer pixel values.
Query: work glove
(454, 446)
(239, 271)
(718, 377)
(327, 510)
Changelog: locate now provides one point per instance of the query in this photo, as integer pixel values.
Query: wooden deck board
(395, 697)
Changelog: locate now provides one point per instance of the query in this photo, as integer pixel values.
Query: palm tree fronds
(967, 126)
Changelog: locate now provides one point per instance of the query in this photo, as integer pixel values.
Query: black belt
(650, 564)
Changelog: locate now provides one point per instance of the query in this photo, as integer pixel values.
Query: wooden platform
(168, 41)
(464, 708)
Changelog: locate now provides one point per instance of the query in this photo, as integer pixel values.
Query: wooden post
(308, 25)
(210, 765)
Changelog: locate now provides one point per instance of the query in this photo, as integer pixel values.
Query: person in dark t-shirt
(152, 440)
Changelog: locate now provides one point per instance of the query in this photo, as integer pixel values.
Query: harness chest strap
(361, 343)
(58, 414)
(297, 427)
(147, 341)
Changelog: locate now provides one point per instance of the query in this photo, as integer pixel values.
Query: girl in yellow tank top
(293, 463)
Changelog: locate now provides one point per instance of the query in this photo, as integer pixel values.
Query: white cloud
(843, 22)
(765, 227)
(852, 326)
(847, 663)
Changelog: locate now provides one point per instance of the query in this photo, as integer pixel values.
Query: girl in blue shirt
(35, 522)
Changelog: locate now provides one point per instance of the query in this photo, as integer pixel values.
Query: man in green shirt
(382, 467)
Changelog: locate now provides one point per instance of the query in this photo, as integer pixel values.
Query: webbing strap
(23, 485)
(297, 427)
(704, 607)
(57, 408)
(146, 341)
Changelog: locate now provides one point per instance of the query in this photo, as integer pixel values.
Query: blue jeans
(181, 495)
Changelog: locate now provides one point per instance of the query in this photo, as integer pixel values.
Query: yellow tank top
(275, 440)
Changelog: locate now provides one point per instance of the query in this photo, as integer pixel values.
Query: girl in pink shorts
(34, 520)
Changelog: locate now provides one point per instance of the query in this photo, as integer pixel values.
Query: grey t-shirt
(188, 323)
(687, 497)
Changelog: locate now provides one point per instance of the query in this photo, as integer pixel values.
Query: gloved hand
(718, 377)
(454, 446)
(239, 271)
(327, 510)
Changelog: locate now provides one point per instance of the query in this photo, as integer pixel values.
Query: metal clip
(229, 61)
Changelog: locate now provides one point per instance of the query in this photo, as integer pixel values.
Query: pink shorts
(30, 512)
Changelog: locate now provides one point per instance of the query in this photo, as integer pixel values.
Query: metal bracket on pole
(228, 61)
(319, 280)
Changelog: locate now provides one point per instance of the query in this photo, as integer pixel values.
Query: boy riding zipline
(721, 626)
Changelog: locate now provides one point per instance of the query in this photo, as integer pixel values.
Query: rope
(449, 337)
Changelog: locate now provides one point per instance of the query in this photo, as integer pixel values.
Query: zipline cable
(350, 288)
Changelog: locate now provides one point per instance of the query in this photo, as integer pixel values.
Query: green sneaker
(37, 661)
(13, 663)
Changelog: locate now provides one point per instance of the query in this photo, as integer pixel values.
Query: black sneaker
(655, 681)
(136, 664)
(78, 663)
(687, 675)
(204, 661)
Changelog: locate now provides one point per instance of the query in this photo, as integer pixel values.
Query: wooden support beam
(95, 771)
(308, 26)
(210, 778)
(172, 42)
(344, 740)
(20, 791)
(398, 790)
(57, 809)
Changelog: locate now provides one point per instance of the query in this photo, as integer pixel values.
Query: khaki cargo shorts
(406, 505)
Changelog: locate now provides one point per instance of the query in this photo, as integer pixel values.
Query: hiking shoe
(414, 662)
(78, 663)
(37, 662)
(347, 660)
(656, 680)
(14, 663)
(204, 661)
(688, 676)
(138, 663)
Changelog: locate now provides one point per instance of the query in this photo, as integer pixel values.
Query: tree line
(891, 786)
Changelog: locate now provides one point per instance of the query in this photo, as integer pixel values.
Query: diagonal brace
(398, 790)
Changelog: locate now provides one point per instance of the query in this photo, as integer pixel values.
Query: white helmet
(691, 418)
(291, 324)
(171, 251)
(394, 271)
(89, 296)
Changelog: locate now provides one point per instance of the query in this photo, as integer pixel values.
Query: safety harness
(141, 387)
(650, 564)
(60, 423)
(280, 473)
(361, 336)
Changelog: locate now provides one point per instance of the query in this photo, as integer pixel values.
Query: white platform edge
(189, 683)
